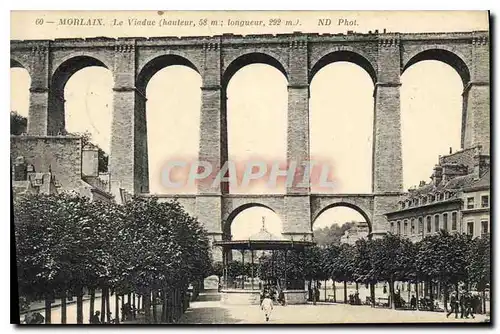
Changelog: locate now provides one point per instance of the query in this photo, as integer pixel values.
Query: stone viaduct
(133, 61)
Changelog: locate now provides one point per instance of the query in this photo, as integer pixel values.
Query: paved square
(209, 310)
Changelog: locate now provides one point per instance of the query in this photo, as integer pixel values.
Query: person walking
(267, 306)
(95, 318)
(453, 305)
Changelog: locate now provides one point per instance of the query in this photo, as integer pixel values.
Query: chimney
(421, 184)
(437, 175)
(90, 161)
(20, 169)
(481, 165)
(452, 170)
(451, 151)
(384, 30)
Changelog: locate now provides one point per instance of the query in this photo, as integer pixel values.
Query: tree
(331, 234)
(18, 123)
(479, 265)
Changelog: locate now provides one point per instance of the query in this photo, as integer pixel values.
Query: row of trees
(452, 260)
(66, 244)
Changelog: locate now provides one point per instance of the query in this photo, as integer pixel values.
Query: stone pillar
(476, 97)
(128, 160)
(297, 202)
(213, 140)
(38, 118)
(387, 173)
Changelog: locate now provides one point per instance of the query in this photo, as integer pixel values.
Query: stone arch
(443, 54)
(58, 80)
(16, 63)
(362, 211)
(228, 221)
(156, 63)
(251, 58)
(347, 54)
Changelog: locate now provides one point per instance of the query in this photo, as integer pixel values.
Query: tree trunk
(345, 292)
(334, 291)
(392, 304)
(445, 297)
(372, 293)
(92, 303)
(79, 306)
(63, 308)
(418, 296)
(153, 301)
(48, 310)
(146, 304)
(133, 305)
(117, 308)
(484, 301)
(325, 289)
(309, 290)
(314, 292)
(163, 306)
(108, 306)
(357, 287)
(431, 294)
(103, 305)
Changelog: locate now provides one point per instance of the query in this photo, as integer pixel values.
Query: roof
(264, 235)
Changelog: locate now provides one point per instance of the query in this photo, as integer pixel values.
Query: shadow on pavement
(208, 297)
(208, 315)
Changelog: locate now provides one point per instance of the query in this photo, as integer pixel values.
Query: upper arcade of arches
(69, 67)
(152, 66)
(228, 52)
(451, 58)
(248, 59)
(354, 57)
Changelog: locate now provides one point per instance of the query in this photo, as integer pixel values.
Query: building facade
(456, 200)
(358, 231)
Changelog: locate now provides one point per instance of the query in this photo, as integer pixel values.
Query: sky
(340, 108)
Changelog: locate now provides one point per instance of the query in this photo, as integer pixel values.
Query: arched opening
(341, 121)
(172, 88)
(73, 99)
(249, 219)
(431, 111)
(89, 105)
(250, 222)
(256, 120)
(20, 82)
(341, 223)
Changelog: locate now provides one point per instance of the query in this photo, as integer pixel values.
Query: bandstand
(261, 242)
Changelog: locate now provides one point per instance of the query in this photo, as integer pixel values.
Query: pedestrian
(469, 306)
(413, 302)
(267, 306)
(453, 305)
(461, 302)
(95, 318)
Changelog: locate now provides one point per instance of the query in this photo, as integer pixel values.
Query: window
(470, 203)
(405, 228)
(484, 228)
(424, 200)
(392, 227)
(485, 201)
(402, 205)
(399, 228)
(412, 226)
(445, 221)
(421, 225)
(436, 223)
(470, 228)
(453, 221)
(429, 228)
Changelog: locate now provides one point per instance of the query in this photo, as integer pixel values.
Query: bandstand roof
(264, 240)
